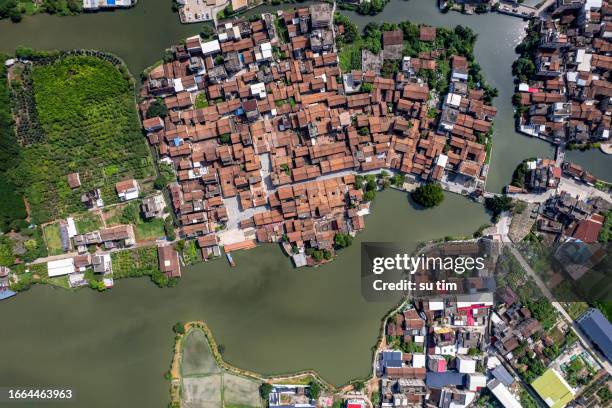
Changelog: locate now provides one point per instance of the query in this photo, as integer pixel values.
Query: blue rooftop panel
(439, 380)
(503, 375)
(595, 325)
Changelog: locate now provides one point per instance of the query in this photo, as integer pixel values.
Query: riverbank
(304, 377)
(260, 309)
(494, 49)
(177, 371)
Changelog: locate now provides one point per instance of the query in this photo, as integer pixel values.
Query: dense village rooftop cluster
(266, 135)
(565, 96)
(434, 354)
(457, 350)
(563, 216)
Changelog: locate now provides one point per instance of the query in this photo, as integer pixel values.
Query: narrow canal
(139, 35)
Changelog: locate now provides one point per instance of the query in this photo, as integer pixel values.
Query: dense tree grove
(342, 240)
(15, 10)
(524, 68)
(12, 208)
(84, 107)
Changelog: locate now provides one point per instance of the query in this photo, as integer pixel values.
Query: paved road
(581, 190)
(586, 343)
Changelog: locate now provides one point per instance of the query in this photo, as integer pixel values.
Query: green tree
(179, 328)
(366, 87)
(342, 240)
(225, 138)
(264, 390)
(498, 204)
(315, 390)
(207, 32)
(523, 69)
(428, 195)
(369, 195)
(157, 108)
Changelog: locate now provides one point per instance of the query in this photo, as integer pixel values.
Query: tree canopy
(428, 195)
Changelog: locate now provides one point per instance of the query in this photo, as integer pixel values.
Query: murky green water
(139, 35)
(113, 348)
(593, 160)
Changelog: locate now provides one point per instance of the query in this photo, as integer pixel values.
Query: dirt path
(27, 207)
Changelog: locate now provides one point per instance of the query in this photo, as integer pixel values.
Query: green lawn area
(87, 222)
(89, 124)
(575, 309)
(51, 233)
(152, 229)
(201, 101)
(191, 253)
(350, 56)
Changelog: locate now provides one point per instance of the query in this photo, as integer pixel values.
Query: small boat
(230, 259)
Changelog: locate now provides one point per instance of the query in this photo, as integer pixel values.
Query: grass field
(150, 229)
(53, 239)
(87, 222)
(85, 107)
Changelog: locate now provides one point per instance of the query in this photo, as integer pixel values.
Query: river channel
(113, 348)
(139, 35)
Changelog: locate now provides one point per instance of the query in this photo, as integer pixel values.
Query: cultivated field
(240, 391)
(202, 392)
(82, 118)
(197, 357)
(206, 385)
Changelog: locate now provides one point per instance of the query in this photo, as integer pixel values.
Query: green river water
(113, 348)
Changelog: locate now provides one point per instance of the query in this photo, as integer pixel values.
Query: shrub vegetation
(86, 112)
(428, 195)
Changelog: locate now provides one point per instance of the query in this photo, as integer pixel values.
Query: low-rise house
(465, 364)
(74, 180)
(102, 263)
(127, 189)
(169, 262)
(153, 207)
